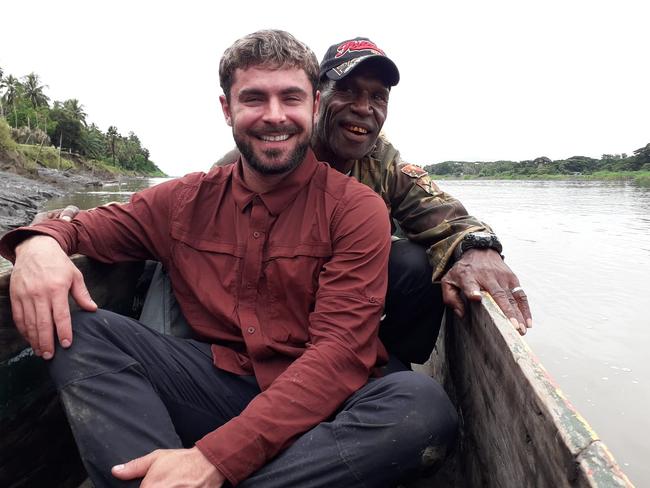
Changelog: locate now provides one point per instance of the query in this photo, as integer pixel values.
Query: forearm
(110, 233)
(437, 222)
(441, 241)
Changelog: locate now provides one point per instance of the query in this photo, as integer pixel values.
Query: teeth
(355, 128)
(282, 137)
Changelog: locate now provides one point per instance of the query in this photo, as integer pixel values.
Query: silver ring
(516, 289)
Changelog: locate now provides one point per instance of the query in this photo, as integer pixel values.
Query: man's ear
(316, 105)
(226, 109)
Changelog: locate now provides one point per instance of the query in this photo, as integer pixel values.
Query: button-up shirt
(287, 285)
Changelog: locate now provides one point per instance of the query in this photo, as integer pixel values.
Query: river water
(582, 253)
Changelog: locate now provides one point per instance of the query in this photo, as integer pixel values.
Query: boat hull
(36, 445)
(517, 428)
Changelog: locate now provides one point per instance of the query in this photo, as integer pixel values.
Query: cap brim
(386, 68)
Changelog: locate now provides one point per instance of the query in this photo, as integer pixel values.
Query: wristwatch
(477, 240)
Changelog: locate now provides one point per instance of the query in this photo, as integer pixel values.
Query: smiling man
(279, 265)
(444, 248)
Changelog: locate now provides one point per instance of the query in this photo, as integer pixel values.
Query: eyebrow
(294, 90)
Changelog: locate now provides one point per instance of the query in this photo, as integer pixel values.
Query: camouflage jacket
(426, 214)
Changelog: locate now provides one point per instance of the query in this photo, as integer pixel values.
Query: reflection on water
(113, 192)
(582, 253)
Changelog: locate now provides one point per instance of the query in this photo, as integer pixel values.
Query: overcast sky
(481, 80)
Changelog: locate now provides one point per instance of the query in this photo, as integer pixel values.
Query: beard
(293, 160)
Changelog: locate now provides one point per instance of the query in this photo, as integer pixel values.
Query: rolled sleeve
(131, 231)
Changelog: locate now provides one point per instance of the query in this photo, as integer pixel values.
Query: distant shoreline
(641, 178)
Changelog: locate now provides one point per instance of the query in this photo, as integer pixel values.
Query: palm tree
(112, 135)
(13, 89)
(2, 85)
(34, 90)
(76, 110)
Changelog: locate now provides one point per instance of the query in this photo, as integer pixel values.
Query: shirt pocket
(290, 276)
(207, 275)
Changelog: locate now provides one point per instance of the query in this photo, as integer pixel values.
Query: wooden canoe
(517, 429)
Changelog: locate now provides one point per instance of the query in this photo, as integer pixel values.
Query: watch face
(482, 235)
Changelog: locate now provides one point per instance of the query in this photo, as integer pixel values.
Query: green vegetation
(6, 142)
(610, 166)
(61, 129)
(44, 156)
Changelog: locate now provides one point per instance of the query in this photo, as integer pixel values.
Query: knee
(91, 323)
(428, 418)
(92, 350)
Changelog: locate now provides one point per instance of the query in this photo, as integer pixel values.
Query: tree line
(542, 166)
(26, 108)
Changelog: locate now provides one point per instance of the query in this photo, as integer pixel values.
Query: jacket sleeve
(131, 231)
(426, 214)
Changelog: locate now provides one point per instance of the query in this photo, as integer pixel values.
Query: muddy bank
(21, 197)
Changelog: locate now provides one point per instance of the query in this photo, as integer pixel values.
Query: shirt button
(256, 235)
(251, 330)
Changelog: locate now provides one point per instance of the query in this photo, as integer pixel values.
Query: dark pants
(128, 390)
(414, 305)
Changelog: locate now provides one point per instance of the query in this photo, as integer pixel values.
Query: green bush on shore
(643, 179)
(6, 142)
(46, 156)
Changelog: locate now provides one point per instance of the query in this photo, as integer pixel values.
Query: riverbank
(25, 187)
(30, 175)
(21, 196)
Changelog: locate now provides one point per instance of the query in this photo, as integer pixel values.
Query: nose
(274, 112)
(361, 104)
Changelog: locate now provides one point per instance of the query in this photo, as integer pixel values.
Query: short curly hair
(270, 48)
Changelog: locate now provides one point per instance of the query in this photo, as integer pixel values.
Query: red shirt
(287, 285)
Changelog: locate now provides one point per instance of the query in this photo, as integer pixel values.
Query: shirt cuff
(234, 450)
(12, 239)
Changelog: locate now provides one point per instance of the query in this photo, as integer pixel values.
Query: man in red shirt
(279, 265)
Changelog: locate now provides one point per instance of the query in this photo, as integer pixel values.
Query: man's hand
(171, 467)
(483, 269)
(68, 213)
(40, 281)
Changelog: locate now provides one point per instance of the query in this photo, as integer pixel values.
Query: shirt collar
(280, 196)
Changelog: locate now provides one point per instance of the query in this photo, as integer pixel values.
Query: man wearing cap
(355, 81)
(443, 243)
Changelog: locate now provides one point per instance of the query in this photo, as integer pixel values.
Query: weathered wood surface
(36, 446)
(518, 430)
